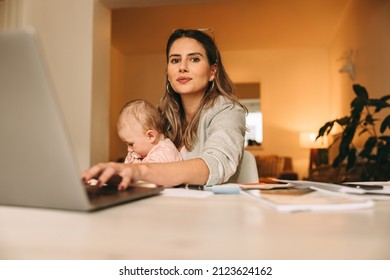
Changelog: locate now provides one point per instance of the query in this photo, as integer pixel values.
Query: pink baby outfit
(164, 151)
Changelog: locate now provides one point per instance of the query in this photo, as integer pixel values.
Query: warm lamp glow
(308, 140)
(318, 149)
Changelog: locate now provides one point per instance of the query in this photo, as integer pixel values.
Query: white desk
(218, 227)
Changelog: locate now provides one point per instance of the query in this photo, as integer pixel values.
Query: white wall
(66, 29)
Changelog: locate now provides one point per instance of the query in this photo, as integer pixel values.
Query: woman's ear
(213, 71)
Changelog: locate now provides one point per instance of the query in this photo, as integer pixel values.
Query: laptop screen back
(37, 164)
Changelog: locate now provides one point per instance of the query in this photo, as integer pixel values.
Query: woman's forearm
(193, 171)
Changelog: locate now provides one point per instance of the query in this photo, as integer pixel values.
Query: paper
(297, 200)
(180, 192)
(383, 194)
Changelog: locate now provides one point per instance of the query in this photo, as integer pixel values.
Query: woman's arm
(193, 171)
(220, 144)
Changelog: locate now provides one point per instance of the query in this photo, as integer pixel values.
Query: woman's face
(188, 69)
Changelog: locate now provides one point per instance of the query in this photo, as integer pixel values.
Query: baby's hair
(142, 111)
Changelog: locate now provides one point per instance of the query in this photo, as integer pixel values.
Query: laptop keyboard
(95, 192)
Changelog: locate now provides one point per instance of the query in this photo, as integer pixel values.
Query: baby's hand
(133, 157)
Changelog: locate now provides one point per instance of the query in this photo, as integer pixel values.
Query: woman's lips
(183, 80)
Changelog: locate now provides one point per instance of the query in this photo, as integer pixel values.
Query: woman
(201, 116)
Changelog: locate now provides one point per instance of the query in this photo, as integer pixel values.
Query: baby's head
(139, 126)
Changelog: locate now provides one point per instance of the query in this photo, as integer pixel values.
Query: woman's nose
(183, 66)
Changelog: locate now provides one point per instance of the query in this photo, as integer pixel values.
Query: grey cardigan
(220, 142)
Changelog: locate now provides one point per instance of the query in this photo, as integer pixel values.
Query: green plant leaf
(325, 129)
(357, 106)
(368, 147)
(385, 98)
(336, 162)
(369, 120)
(343, 152)
(343, 121)
(350, 130)
(379, 104)
(385, 138)
(385, 124)
(360, 91)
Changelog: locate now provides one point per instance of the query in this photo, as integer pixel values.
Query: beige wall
(100, 117)
(117, 100)
(294, 95)
(76, 52)
(365, 29)
(2, 15)
(133, 76)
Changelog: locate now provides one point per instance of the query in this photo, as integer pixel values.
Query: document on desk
(362, 189)
(180, 192)
(301, 200)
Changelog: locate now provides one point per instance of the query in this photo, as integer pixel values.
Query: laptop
(38, 167)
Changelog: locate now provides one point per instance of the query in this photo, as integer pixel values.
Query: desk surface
(217, 227)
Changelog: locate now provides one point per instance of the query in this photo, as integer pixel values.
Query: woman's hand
(111, 173)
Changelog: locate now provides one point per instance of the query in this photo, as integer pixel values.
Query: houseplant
(372, 161)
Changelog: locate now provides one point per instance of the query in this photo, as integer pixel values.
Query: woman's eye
(174, 60)
(195, 59)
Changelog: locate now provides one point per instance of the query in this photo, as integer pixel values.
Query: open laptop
(38, 167)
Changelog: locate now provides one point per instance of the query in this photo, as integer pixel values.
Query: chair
(273, 166)
(248, 172)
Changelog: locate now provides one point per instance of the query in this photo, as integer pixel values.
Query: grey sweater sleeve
(220, 143)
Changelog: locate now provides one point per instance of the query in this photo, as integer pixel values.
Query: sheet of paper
(301, 200)
(180, 192)
(383, 194)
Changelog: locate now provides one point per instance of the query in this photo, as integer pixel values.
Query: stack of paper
(360, 190)
(305, 199)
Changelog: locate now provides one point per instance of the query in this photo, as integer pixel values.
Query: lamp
(318, 149)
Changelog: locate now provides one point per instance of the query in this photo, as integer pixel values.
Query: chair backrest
(270, 165)
(248, 172)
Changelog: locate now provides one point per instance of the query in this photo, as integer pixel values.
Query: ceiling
(143, 26)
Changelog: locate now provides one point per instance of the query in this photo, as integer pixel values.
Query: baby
(140, 128)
